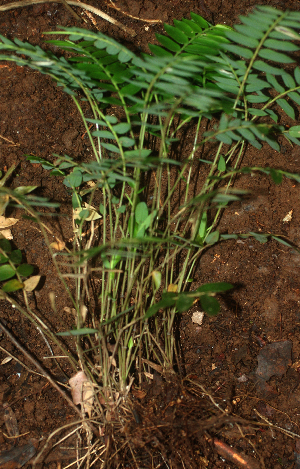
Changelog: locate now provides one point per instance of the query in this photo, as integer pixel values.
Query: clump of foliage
(198, 72)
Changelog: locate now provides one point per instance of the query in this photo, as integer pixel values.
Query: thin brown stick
(113, 5)
(84, 6)
(44, 373)
(77, 18)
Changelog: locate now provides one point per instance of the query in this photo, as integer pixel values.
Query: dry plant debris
(82, 392)
(5, 223)
(84, 6)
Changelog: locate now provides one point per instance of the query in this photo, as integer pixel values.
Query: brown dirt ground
(221, 354)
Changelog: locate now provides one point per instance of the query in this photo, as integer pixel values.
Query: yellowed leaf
(6, 222)
(172, 288)
(31, 283)
(58, 245)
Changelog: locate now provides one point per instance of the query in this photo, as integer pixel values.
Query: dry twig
(45, 374)
(131, 16)
(84, 6)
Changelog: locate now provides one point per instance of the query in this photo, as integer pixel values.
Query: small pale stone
(198, 317)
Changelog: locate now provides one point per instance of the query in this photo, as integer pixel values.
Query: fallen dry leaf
(18, 456)
(7, 234)
(58, 245)
(82, 392)
(6, 360)
(288, 217)
(6, 222)
(273, 360)
(31, 283)
(93, 214)
(10, 420)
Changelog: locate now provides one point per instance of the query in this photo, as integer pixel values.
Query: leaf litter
(82, 392)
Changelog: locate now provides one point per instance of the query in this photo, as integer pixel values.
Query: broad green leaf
(12, 285)
(223, 121)
(256, 112)
(249, 31)
(143, 153)
(222, 164)
(213, 237)
(130, 90)
(289, 81)
(167, 301)
(259, 98)
(272, 80)
(259, 237)
(3, 259)
(25, 270)
(272, 114)
(127, 142)
(199, 20)
(6, 272)
(16, 256)
(241, 39)
(276, 176)
(287, 108)
(5, 245)
(74, 179)
(294, 96)
(195, 27)
(297, 75)
(122, 128)
(270, 54)
(159, 51)
(78, 332)
(184, 28)
(156, 277)
(256, 85)
(176, 34)
(264, 67)
(246, 133)
(281, 45)
(103, 134)
(168, 43)
(224, 138)
(141, 212)
(125, 55)
(238, 50)
(294, 131)
(110, 147)
(251, 21)
(273, 144)
(184, 302)
(210, 305)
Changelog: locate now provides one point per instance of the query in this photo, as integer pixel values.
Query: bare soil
(171, 425)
